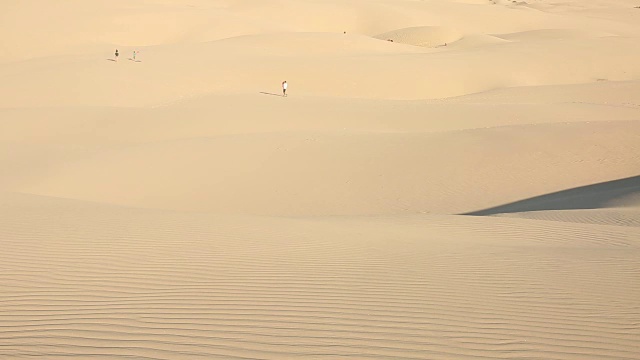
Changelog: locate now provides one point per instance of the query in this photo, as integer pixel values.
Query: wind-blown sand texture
(468, 190)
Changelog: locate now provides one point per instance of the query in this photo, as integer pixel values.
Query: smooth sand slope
(469, 190)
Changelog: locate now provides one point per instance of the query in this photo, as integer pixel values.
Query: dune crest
(426, 36)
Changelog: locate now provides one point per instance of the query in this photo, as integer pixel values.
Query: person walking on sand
(134, 54)
(284, 88)
(117, 53)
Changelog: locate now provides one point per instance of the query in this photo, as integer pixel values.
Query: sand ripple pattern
(616, 217)
(119, 283)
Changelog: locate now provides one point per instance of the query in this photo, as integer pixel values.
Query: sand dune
(351, 173)
(98, 281)
(205, 69)
(189, 64)
(427, 36)
(178, 207)
(551, 34)
(606, 216)
(616, 193)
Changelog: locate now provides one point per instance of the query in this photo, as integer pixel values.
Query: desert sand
(446, 179)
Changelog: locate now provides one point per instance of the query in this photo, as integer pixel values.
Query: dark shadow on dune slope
(585, 197)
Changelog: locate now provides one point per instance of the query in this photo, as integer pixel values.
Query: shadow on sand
(268, 93)
(132, 59)
(585, 197)
(114, 60)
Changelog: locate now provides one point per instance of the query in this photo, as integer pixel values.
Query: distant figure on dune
(135, 52)
(284, 88)
(117, 54)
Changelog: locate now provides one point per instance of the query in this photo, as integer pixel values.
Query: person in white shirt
(284, 88)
